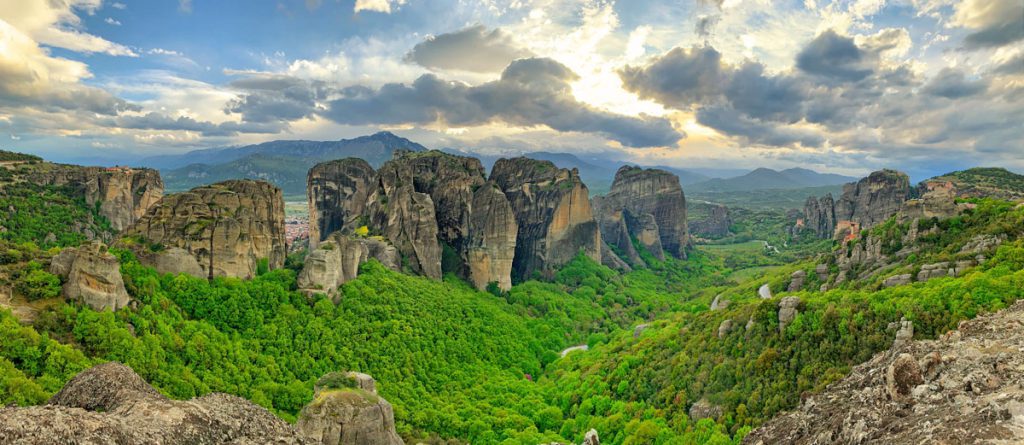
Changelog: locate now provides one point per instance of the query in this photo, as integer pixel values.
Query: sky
(924, 86)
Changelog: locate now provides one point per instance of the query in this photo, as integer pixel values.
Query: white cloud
(384, 6)
(112, 21)
(56, 23)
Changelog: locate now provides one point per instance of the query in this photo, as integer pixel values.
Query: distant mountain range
(766, 178)
(285, 163)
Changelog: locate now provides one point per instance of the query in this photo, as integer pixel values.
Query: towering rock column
(553, 212)
(337, 192)
(646, 204)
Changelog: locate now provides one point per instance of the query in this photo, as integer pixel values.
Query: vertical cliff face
(648, 205)
(716, 224)
(227, 227)
(337, 193)
(92, 275)
(865, 203)
(336, 261)
(420, 202)
(122, 194)
(492, 238)
(552, 211)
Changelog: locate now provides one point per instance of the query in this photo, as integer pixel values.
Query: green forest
(467, 366)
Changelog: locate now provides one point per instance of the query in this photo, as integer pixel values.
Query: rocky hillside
(56, 204)
(223, 229)
(981, 182)
(647, 205)
(111, 404)
(963, 387)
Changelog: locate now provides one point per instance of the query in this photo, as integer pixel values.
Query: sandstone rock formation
(591, 438)
(796, 281)
(337, 259)
(423, 203)
(715, 225)
(788, 311)
(338, 192)
(704, 409)
(650, 205)
(724, 328)
(553, 212)
(229, 227)
(491, 245)
(92, 275)
(122, 194)
(962, 388)
(348, 413)
(110, 404)
(867, 202)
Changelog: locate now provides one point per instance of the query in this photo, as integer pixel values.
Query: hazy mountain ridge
(766, 178)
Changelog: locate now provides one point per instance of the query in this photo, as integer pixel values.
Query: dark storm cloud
(833, 56)
(276, 98)
(952, 84)
(472, 49)
(530, 92)
(680, 78)
(705, 25)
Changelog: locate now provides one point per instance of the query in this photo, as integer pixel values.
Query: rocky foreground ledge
(111, 404)
(964, 388)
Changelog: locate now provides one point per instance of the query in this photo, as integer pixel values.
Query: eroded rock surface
(110, 404)
(651, 204)
(337, 192)
(865, 203)
(122, 194)
(963, 388)
(228, 227)
(337, 259)
(92, 275)
(348, 413)
(553, 212)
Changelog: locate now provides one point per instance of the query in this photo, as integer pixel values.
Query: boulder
(724, 328)
(338, 192)
(704, 409)
(348, 413)
(902, 376)
(337, 259)
(492, 238)
(639, 329)
(765, 292)
(652, 203)
(110, 404)
(228, 227)
(796, 281)
(897, 280)
(719, 303)
(904, 334)
(788, 311)
(821, 271)
(935, 270)
(553, 212)
(92, 275)
(591, 438)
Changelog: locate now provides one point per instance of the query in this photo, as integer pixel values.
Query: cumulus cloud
(952, 84)
(833, 56)
(276, 98)
(471, 49)
(679, 78)
(55, 23)
(994, 22)
(384, 6)
(157, 121)
(530, 92)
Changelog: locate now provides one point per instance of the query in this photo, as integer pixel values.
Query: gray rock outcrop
(652, 205)
(553, 212)
(867, 202)
(110, 404)
(337, 259)
(121, 194)
(92, 275)
(228, 227)
(897, 280)
(491, 247)
(788, 310)
(715, 225)
(348, 413)
(338, 192)
(796, 281)
(704, 409)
